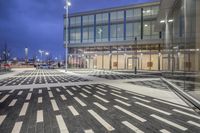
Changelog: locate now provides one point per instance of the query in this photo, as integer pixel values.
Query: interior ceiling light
(171, 20)
(162, 21)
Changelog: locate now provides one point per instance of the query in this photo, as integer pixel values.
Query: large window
(117, 16)
(147, 11)
(88, 20)
(117, 32)
(102, 18)
(147, 30)
(133, 30)
(155, 34)
(155, 10)
(102, 33)
(75, 21)
(88, 34)
(133, 14)
(75, 35)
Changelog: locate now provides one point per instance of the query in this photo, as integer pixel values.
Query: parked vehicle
(43, 66)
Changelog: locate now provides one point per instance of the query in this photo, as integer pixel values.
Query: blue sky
(38, 24)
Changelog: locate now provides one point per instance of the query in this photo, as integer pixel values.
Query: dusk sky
(38, 24)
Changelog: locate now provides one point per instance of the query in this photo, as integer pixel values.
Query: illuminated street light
(68, 3)
(46, 53)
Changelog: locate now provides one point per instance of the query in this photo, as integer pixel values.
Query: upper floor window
(75, 35)
(88, 20)
(117, 16)
(102, 18)
(75, 21)
(152, 10)
(133, 14)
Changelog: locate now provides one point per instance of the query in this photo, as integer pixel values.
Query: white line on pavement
(164, 131)
(116, 91)
(100, 106)
(144, 100)
(70, 93)
(28, 96)
(40, 116)
(63, 97)
(73, 88)
(39, 99)
(79, 101)
(119, 96)
(24, 109)
(12, 103)
(2, 117)
(89, 131)
(101, 120)
(54, 105)
(169, 122)
(17, 127)
(102, 99)
(50, 94)
(135, 94)
(83, 95)
(4, 98)
(127, 104)
(101, 89)
(152, 108)
(40, 91)
(132, 127)
(100, 93)
(88, 87)
(193, 123)
(184, 113)
(73, 110)
(86, 91)
(19, 93)
(179, 106)
(11, 91)
(61, 124)
(130, 113)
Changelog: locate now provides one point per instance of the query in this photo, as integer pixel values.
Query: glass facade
(102, 33)
(181, 53)
(117, 32)
(120, 25)
(75, 35)
(88, 34)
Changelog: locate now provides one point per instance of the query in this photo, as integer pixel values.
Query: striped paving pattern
(40, 77)
(94, 108)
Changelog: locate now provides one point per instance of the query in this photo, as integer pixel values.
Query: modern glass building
(157, 36)
(116, 38)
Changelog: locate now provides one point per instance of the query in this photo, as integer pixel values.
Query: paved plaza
(92, 101)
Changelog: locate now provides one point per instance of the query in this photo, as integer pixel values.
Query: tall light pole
(26, 55)
(68, 3)
(41, 52)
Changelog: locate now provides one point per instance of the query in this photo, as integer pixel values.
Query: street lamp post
(136, 56)
(26, 55)
(66, 41)
(41, 53)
